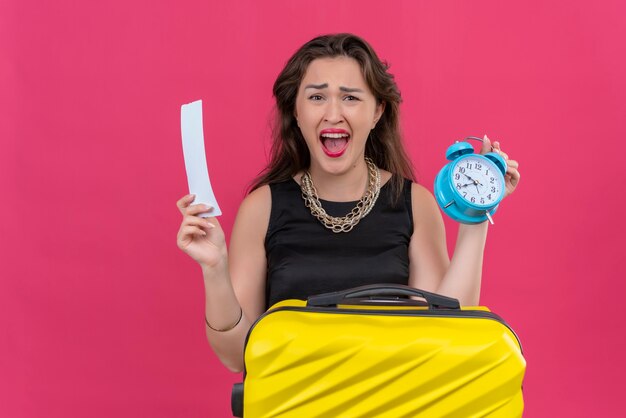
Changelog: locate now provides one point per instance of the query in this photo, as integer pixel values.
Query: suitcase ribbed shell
(381, 363)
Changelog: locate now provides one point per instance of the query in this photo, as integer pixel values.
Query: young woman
(335, 208)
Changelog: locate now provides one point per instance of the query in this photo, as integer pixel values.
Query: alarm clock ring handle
(487, 146)
(497, 159)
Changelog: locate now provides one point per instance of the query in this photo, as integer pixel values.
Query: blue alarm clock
(470, 187)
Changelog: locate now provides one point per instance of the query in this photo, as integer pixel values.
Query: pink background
(101, 314)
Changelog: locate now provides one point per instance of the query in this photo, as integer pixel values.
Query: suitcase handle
(373, 291)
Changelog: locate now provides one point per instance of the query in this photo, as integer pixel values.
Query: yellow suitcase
(376, 351)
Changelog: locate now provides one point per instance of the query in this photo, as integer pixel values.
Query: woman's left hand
(512, 176)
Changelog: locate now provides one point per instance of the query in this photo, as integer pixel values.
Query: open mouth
(334, 143)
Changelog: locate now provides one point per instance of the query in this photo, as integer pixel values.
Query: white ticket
(195, 158)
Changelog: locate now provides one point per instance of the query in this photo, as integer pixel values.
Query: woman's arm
(234, 280)
(430, 267)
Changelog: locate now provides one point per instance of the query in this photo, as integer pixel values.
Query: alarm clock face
(477, 180)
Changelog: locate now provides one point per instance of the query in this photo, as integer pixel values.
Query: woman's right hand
(201, 238)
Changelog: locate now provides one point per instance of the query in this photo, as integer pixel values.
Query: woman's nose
(334, 112)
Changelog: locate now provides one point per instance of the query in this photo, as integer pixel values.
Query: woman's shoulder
(419, 191)
(261, 198)
(257, 203)
(424, 206)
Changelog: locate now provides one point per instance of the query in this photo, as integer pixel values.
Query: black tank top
(304, 258)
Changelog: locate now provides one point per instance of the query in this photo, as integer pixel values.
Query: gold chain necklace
(362, 208)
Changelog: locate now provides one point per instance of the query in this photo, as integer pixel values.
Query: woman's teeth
(335, 142)
(335, 135)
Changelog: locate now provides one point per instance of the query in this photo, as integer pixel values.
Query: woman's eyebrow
(325, 85)
(316, 86)
(350, 90)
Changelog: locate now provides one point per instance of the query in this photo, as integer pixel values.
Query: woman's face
(336, 110)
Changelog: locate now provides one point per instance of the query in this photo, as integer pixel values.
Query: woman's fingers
(186, 235)
(186, 208)
(197, 221)
(201, 238)
(193, 226)
(486, 145)
(188, 230)
(185, 201)
(496, 148)
(511, 179)
(514, 175)
(198, 209)
(512, 163)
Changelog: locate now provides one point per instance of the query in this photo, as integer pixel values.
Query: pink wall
(101, 315)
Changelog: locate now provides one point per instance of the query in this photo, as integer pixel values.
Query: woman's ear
(380, 109)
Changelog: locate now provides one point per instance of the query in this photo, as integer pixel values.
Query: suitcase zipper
(444, 313)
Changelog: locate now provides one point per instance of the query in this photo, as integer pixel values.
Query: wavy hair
(289, 153)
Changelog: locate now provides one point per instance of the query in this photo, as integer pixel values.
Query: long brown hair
(289, 153)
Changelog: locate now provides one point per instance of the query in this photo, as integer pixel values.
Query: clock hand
(473, 181)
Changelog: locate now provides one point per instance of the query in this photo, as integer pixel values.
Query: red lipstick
(334, 141)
